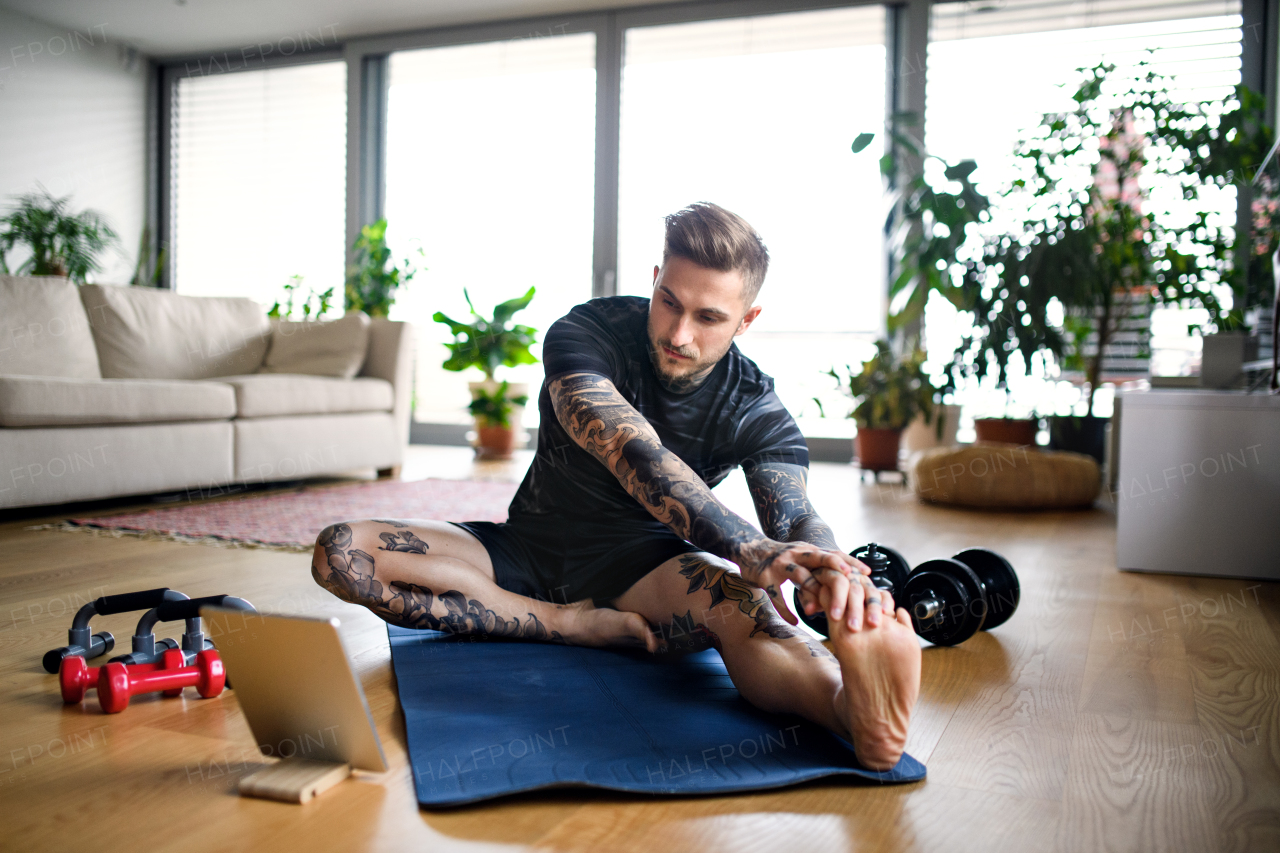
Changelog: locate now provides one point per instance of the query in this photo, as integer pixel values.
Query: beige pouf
(1006, 476)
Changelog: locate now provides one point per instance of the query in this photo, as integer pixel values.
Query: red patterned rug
(291, 520)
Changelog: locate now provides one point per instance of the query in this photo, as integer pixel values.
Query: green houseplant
(933, 229)
(374, 279)
(61, 243)
(888, 392)
(928, 226)
(487, 343)
(323, 300)
(1092, 247)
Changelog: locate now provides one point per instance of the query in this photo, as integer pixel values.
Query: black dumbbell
(951, 600)
(82, 642)
(889, 571)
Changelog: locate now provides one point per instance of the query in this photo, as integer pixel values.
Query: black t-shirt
(733, 418)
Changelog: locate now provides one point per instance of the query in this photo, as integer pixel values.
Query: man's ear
(747, 320)
(656, 268)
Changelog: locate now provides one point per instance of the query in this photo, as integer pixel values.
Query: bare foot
(584, 624)
(880, 666)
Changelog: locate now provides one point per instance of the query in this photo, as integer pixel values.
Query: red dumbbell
(116, 683)
(77, 678)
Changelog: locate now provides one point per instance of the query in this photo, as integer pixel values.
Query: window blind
(258, 181)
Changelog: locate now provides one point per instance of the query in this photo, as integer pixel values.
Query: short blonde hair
(717, 239)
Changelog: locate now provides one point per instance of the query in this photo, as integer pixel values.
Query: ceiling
(181, 28)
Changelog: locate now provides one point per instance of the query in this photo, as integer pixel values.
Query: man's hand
(828, 580)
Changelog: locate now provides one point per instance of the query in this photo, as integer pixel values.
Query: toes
(904, 617)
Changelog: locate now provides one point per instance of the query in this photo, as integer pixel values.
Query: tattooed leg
(428, 574)
(863, 692)
(696, 601)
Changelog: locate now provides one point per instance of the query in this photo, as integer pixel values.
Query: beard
(691, 375)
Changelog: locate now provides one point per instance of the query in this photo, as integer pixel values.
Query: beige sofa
(108, 390)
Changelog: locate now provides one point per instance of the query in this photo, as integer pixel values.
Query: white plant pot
(515, 389)
(921, 436)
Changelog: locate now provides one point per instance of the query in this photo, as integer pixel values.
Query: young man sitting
(615, 538)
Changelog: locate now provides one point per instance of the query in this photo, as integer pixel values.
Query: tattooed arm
(602, 422)
(786, 514)
(783, 507)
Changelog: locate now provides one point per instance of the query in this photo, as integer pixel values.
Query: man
(615, 538)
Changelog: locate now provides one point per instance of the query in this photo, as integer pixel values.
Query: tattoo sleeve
(782, 504)
(600, 420)
(349, 573)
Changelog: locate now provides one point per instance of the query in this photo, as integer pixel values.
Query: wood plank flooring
(1114, 711)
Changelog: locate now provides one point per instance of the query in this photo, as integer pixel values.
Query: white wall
(73, 118)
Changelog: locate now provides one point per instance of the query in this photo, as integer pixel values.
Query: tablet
(296, 687)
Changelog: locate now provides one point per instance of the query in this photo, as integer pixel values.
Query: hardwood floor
(1113, 712)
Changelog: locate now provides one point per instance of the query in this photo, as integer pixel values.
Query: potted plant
(492, 410)
(61, 243)
(487, 344)
(373, 280)
(1089, 246)
(323, 300)
(888, 392)
(931, 230)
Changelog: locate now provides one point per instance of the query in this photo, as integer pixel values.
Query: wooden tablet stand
(294, 780)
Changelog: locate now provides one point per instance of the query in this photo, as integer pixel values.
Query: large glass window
(259, 181)
(490, 169)
(994, 71)
(757, 115)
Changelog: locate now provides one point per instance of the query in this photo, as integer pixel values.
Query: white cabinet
(1198, 485)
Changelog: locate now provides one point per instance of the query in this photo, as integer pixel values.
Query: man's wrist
(755, 556)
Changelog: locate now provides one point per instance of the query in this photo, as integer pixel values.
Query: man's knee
(338, 565)
(732, 599)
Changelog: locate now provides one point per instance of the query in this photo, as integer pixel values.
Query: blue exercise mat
(485, 718)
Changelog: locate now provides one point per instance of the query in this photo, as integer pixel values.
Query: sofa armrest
(390, 357)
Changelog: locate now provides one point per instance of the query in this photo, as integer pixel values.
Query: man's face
(694, 316)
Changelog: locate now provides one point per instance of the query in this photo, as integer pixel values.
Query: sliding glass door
(490, 171)
(1028, 52)
(757, 115)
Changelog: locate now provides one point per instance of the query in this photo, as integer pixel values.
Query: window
(994, 70)
(490, 169)
(259, 181)
(758, 115)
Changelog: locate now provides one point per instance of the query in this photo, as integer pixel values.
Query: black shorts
(563, 562)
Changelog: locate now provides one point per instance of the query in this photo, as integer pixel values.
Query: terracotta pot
(1006, 430)
(515, 389)
(877, 449)
(495, 442)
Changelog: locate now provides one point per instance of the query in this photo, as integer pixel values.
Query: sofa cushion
(44, 330)
(318, 347)
(40, 401)
(269, 395)
(144, 333)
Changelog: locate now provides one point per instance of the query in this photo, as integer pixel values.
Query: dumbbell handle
(926, 608)
(75, 677)
(116, 684)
